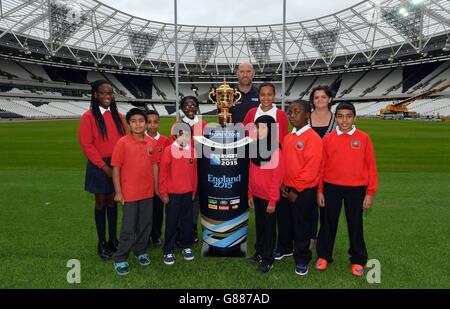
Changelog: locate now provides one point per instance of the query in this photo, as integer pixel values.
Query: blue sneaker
(143, 259)
(169, 259)
(187, 253)
(277, 255)
(301, 269)
(122, 268)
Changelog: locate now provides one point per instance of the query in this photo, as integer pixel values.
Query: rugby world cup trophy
(223, 180)
(225, 99)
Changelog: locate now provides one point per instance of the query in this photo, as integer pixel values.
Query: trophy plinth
(226, 97)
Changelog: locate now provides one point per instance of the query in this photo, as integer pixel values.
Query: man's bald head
(245, 75)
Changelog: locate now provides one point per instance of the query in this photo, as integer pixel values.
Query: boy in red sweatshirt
(266, 174)
(158, 206)
(302, 151)
(189, 105)
(348, 174)
(177, 187)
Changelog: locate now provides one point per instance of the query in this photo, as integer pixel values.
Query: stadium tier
(369, 90)
(373, 54)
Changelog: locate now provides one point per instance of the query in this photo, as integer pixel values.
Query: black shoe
(103, 251)
(113, 244)
(257, 258)
(264, 268)
(156, 242)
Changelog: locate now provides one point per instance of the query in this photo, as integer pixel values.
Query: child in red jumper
(190, 107)
(158, 206)
(348, 174)
(100, 129)
(302, 150)
(266, 95)
(177, 187)
(265, 177)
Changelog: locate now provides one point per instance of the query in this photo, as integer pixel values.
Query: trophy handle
(238, 94)
(211, 94)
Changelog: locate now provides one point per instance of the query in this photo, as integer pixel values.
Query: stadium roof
(92, 32)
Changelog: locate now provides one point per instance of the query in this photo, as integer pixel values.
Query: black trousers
(353, 198)
(303, 208)
(158, 214)
(284, 218)
(178, 211)
(265, 230)
(315, 223)
(136, 228)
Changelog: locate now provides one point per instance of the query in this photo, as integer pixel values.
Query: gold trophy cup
(225, 99)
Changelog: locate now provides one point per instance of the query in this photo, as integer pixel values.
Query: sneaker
(113, 244)
(357, 270)
(321, 264)
(122, 268)
(255, 259)
(187, 253)
(103, 251)
(143, 259)
(301, 269)
(169, 259)
(277, 255)
(264, 268)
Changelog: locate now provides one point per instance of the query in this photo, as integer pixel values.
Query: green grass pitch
(47, 219)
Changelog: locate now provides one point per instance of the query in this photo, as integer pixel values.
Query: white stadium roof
(92, 32)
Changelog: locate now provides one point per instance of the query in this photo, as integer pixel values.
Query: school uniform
(158, 205)
(264, 187)
(98, 150)
(303, 150)
(135, 159)
(348, 173)
(197, 126)
(178, 182)
(280, 118)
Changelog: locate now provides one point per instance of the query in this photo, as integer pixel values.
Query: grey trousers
(136, 228)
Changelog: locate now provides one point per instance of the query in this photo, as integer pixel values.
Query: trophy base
(237, 251)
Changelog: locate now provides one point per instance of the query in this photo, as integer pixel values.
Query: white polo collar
(185, 147)
(302, 130)
(271, 112)
(339, 132)
(191, 122)
(104, 110)
(157, 136)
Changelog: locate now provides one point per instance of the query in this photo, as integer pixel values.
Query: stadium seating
(164, 85)
(36, 70)
(22, 83)
(110, 77)
(440, 75)
(14, 69)
(385, 86)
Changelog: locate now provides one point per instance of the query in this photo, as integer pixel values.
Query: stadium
(391, 58)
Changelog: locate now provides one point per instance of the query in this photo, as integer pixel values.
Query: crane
(401, 107)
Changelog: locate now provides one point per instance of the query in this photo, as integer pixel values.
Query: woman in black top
(323, 122)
